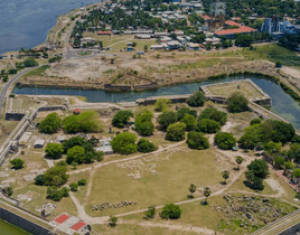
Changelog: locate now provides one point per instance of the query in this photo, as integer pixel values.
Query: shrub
(17, 163)
(255, 121)
(40, 180)
(197, 140)
(75, 154)
(51, 124)
(214, 114)
(247, 141)
(150, 212)
(289, 165)
(55, 194)
(189, 121)
(167, 118)
(54, 150)
(161, 105)
(8, 191)
(124, 143)
(225, 140)
(237, 103)
(296, 173)
(143, 123)
(99, 156)
(145, 146)
(82, 182)
(208, 126)
(73, 187)
(176, 132)
(279, 162)
(197, 99)
(121, 118)
(170, 211)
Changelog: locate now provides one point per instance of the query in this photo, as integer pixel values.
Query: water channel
(282, 103)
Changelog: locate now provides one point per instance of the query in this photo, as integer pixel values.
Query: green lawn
(169, 184)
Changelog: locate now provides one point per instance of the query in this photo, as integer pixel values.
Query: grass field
(238, 86)
(169, 181)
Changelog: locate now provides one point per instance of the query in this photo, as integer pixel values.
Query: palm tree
(206, 193)
(225, 175)
(239, 161)
(192, 189)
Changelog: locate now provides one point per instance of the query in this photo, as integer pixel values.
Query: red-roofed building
(77, 111)
(232, 23)
(78, 226)
(231, 33)
(62, 218)
(206, 17)
(104, 33)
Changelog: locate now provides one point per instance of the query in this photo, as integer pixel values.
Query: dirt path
(99, 165)
(90, 186)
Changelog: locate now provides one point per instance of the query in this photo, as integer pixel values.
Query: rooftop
(242, 29)
(62, 218)
(78, 226)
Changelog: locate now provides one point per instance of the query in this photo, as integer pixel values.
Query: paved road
(3, 92)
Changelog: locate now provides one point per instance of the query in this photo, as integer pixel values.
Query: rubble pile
(107, 205)
(252, 211)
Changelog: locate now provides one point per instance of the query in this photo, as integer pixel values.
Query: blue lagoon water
(25, 23)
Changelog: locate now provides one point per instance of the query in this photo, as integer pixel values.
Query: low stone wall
(23, 223)
(10, 116)
(112, 87)
(173, 98)
(148, 86)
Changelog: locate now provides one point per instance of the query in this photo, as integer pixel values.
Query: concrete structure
(106, 147)
(39, 144)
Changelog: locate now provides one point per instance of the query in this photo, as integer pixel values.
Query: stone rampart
(23, 223)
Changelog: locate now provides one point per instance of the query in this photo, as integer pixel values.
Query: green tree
(225, 140)
(190, 122)
(73, 187)
(214, 114)
(145, 146)
(170, 211)
(255, 121)
(75, 154)
(145, 48)
(244, 40)
(143, 123)
(182, 112)
(237, 103)
(51, 124)
(197, 140)
(167, 118)
(260, 168)
(30, 62)
(208, 126)
(150, 213)
(272, 148)
(161, 105)
(84, 122)
(239, 160)
(176, 132)
(294, 152)
(121, 118)
(99, 155)
(197, 99)
(74, 165)
(124, 143)
(289, 165)
(192, 190)
(57, 175)
(54, 150)
(17, 163)
(206, 193)
(55, 194)
(113, 221)
(74, 141)
(225, 175)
